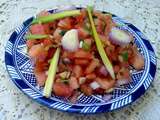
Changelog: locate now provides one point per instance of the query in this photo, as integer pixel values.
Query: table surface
(14, 105)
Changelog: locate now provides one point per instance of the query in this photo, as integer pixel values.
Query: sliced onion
(120, 37)
(103, 71)
(80, 44)
(94, 85)
(107, 97)
(70, 40)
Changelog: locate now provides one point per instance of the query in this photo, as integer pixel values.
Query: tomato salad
(81, 66)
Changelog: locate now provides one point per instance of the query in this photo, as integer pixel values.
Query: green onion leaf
(62, 32)
(125, 56)
(51, 74)
(99, 45)
(35, 36)
(52, 17)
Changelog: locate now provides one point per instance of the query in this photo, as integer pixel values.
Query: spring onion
(99, 45)
(35, 36)
(52, 17)
(51, 74)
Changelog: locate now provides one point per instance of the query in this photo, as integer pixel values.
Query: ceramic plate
(20, 70)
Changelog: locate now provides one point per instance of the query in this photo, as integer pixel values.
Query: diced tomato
(73, 82)
(51, 52)
(57, 35)
(83, 54)
(91, 67)
(30, 43)
(65, 23)
(47, 42)
(86, 89)
(41, 66)
(77, 70)
(41, 78)
(38, 52)
(99, 25)
(82, 33)
(91, 76)
(61, 89)
(37, 29)
(88, 41)
(116, 68)
(46, 28)
(80, 18)
(99, 91)
(108, 26)
(66, 54)
(81, 61)
(62, 67)
(105, 40)
(123, 74)
(137, 61)
(105, 83)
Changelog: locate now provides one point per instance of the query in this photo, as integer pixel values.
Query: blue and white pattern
(20, 70)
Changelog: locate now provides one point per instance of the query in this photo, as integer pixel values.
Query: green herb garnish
(125, 56)
(35, 36)
(62, 32)
(52, 17)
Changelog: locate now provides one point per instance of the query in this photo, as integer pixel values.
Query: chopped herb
(62, 32)
(35, 36)
(86, 46)
(125, 56)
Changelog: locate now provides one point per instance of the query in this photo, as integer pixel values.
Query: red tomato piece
(61, 89)
(73, 82)
(37, 29)
(77, 70)
(81, 61)
(86, 89)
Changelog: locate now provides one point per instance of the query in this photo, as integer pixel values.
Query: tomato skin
(77, 70)
(61, 89)
(37, 29)
(105, 83)
(82, 33)
(91, 67)
(91, 76)
(38, 52)
(30, 43)
(81, 62)
(82, 54)
(73, 82)
(86, 89)
(47, 42)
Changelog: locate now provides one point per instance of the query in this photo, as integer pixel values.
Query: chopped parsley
(125, 56)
